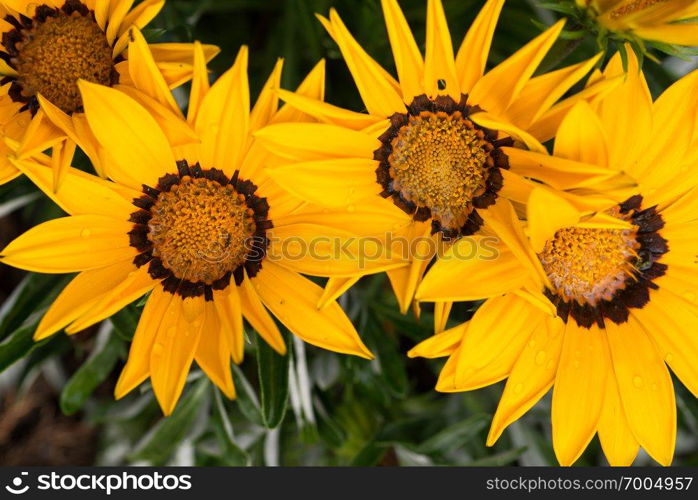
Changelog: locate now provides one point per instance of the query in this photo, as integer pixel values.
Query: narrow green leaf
(455, 436)
(29, 296)
(18, 344)
(247, 399)
(157, 447)
(126, 321)
(273, 380)
(370, 455)
(498, 459)
(91, 374)
(233, 455)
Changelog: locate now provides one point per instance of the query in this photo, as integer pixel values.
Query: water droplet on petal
(669, 357)
(690, 296)
(158, 348)
(518, 388)
(540, 357)
(637, 381)
(85, 233)
(532, 343)
(576, 364)
(351, 208)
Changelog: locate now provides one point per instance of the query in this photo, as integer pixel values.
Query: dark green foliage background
(313, 407)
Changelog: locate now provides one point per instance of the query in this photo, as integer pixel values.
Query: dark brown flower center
(198, 229)
(54, 50)
(598, 274)
(436, 163)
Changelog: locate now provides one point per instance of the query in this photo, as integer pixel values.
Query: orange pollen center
(633, 7)
(439, 161)
(58, 52)
(200, 230)
(589, 265)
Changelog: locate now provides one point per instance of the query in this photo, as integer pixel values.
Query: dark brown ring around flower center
(199, 229)
(634, 291)
(52, 51)
(436, 163)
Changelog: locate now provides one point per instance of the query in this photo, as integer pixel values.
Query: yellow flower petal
(173, 351)
(327, 113)
(474, 268)
(645, 387)
(670, 321)
(442, 310)
(145, 74)
(581, 137)
(335, 288)
(617, 441)
(626, 113)
(502, 85)
(495, 337)
(137, 368)
(439, 63)
(131, 136)
(542, 92)
(80, 295)
(493, 122)
(579, 386)
(256, 314)
(293, 299)
(378, 90)
(223, 120)
(200, 84)
(475, 49)
(531, 377)
(440, 345)
(502, 219)
(316, 141)
(71, 244)
(546, 214)
(331, 183)
(229, 309)
(267, 103)
(136, 284)
(313, 87)
(408, 59)
(213, 352)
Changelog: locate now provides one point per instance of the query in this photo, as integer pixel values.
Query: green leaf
(390, 359)
(273, 381)
(32, 294)
(498, 459)
(246, 399)
(233, 455)
(18, 344)
(157, 447)
(454, 436)
(91, 374)
(126, 321)
(370, 455)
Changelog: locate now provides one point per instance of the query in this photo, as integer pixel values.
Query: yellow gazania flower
(434, 145)
(659, 20)
(47, 46)
(622, 283)
(191, 225)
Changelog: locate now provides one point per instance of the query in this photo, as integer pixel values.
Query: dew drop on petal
(540, 357)
(85, 233)
(637, 381)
